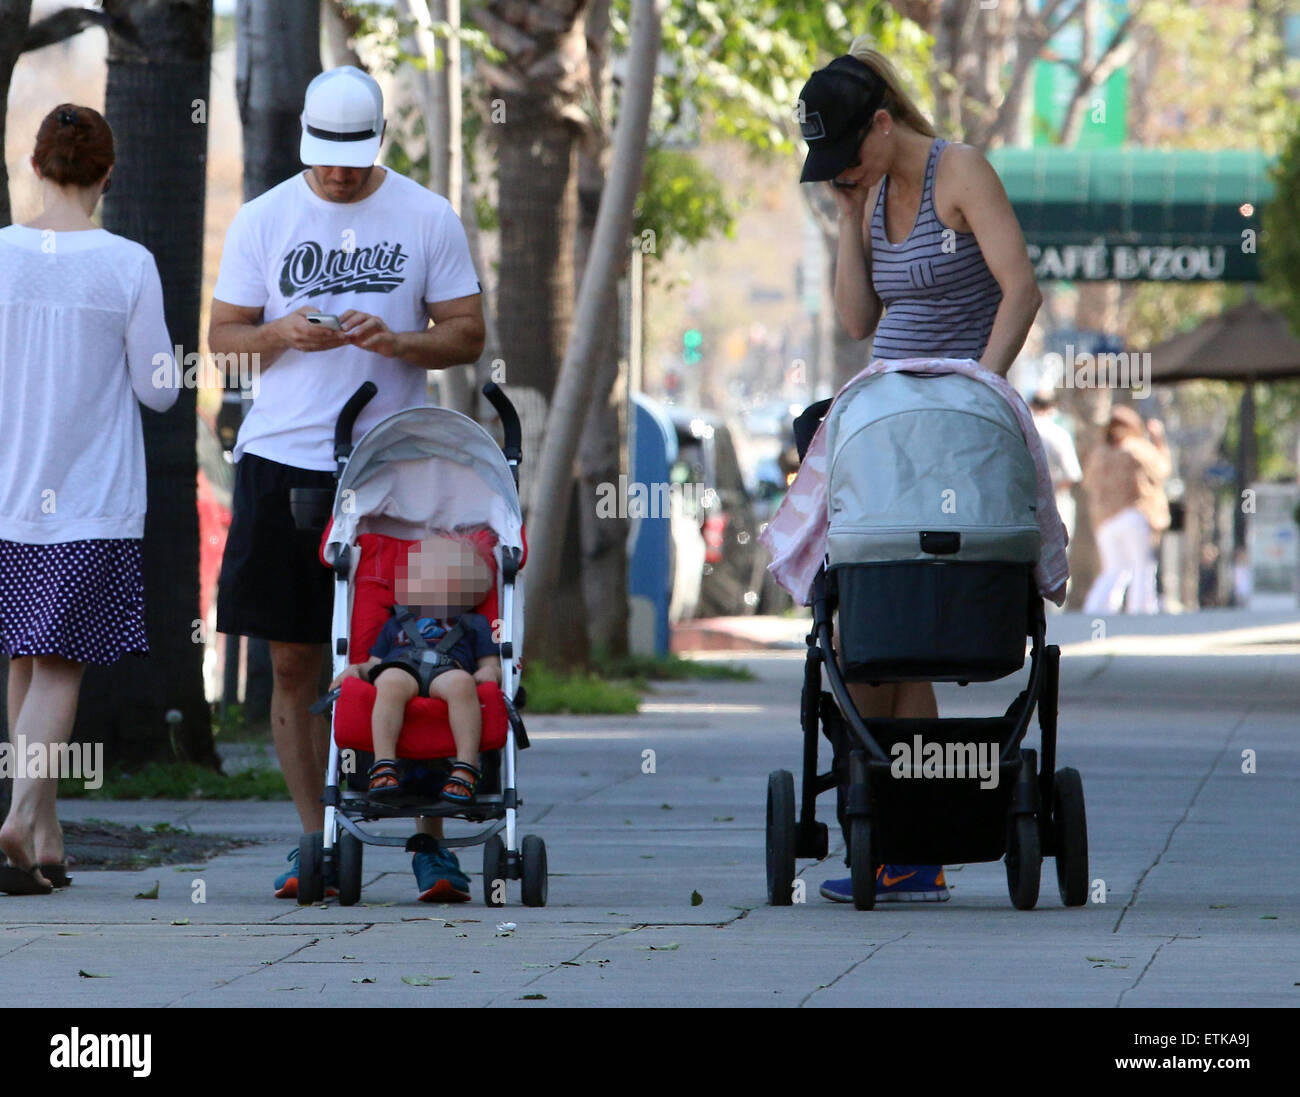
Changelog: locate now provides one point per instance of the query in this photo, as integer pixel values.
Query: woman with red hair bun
(83, 344)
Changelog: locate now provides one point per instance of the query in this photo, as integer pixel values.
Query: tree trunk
(136, 706)
(440, 93)
(602, 451)
(607, 257)
(277, 53)
(14, 17)
(535, 114)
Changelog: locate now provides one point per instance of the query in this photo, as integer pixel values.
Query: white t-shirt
(82, 339)
(386, 255)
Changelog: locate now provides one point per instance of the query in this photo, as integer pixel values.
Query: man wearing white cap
(384, 256)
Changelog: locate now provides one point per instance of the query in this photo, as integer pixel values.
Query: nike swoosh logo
(890, 881)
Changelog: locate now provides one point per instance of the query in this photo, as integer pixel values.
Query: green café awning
(1176, 215)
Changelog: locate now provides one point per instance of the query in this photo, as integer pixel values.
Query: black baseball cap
(837, 103)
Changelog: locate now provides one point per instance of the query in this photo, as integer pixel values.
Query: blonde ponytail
(896, 101)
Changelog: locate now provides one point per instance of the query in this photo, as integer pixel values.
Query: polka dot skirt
(83, 600)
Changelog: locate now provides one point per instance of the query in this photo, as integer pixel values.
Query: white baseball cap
(342, 119)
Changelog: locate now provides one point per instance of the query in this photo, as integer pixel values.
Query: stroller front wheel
(780, 838)
(350, 853)
(311, 868)
(862, 864)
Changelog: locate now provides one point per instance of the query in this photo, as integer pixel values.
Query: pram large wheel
(311, 879)
(494, 870)
(1070, 824)
(780, 838)
(862, 865)
(350, 853)
(533, 856)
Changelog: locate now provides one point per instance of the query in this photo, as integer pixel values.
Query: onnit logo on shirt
(309, 270)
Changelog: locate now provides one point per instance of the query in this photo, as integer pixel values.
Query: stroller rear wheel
(1070, 824)
(533, 856)
(350, 853)
(494, 872)
(780, 838)
(311, 872)
(862, 864)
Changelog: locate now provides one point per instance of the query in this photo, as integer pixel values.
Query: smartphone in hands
(324, 320)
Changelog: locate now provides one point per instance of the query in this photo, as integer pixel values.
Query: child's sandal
(457, 789)
(384, 781)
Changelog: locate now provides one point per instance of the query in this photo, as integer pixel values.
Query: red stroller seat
(426, 732)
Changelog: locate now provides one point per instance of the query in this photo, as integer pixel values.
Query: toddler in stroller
(445, 654)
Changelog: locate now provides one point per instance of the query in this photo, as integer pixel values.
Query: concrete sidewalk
(1196, 858)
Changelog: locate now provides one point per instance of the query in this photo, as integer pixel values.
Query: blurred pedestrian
(82, 344)
(1062, 458)
(931, 262)
(1124, 479)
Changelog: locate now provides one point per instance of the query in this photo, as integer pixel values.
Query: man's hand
(369, 333)
(294, 330)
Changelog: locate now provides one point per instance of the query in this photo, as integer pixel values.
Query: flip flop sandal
(56, 872)
(457, 789)
(384, 782)
(22, 881)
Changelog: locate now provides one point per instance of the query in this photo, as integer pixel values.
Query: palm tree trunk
(137, 706)
(608, 255)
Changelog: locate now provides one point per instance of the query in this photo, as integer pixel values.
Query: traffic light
(692, 340)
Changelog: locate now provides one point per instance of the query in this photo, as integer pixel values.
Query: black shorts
(273, 584)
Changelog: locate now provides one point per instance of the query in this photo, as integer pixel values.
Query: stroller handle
(348, 419)
(805, 425)
(509, 421)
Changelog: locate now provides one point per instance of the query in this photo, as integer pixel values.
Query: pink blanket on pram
(797, 534)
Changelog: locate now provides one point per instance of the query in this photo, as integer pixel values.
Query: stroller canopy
(911, 453)
(421, 470)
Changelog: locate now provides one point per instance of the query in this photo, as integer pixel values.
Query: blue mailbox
(652, 449)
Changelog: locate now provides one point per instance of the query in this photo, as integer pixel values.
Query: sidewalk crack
(1169, 838)
(856, 964)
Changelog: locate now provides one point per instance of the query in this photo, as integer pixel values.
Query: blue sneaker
(439, 877)
(895, 884)
(286, 884)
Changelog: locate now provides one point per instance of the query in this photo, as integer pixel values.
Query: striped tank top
(939, 295)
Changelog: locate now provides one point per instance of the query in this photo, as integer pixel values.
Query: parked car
(714, 495)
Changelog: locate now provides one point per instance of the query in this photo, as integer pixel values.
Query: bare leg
(31, 831)
(301, 739)
(459, 690)
(393, 689)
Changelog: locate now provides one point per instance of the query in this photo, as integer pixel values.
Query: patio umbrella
(1250, 342)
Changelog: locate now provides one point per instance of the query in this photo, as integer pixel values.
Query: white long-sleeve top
(82, 344)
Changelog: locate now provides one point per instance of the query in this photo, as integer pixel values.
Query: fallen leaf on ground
(423, 980)
(662, 948)
(364, 979)
(180, 922)
(92, 975)
(531, 997)
(696, 898)
(152, 893)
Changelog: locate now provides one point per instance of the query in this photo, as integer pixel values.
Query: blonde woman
(931, 262)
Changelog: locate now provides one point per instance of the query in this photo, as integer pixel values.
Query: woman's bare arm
(982, 201)
(856, 303)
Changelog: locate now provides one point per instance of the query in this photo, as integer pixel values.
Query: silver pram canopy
(911, 453)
